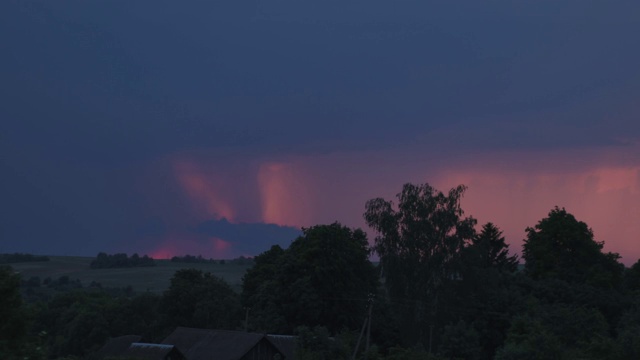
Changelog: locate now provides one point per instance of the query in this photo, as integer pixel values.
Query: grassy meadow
(155, 279)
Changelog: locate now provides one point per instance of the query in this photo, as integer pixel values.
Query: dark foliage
(200, 300)
(78, 321)
(491, 250)
(562, 247)
(447, 293)
(420, 246)
(317, 344)
(13, 325)
(323, 279)
(632, 278)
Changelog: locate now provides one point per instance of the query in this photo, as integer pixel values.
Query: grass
(154, 279)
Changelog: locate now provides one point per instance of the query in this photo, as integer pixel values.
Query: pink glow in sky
(284, 196)
(605, 198)
(530, 104)
(205, 189)
(512, 190)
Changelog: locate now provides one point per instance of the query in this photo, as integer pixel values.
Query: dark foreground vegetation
(444, 289)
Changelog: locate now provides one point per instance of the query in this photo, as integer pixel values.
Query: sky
(222, 127)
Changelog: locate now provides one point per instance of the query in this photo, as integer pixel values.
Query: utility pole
(246, 319)
(368, 326)
(355, 351)
(365, 325)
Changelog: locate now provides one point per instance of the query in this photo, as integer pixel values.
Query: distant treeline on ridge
(241, 260)
(192, 259)
(20, 257)
(106, 261)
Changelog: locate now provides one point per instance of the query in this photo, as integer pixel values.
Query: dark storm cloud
(219, 238)
(91, 92)
(122, 80)
(249, 238)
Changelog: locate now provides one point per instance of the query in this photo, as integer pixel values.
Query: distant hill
(155, 279)
(20, 257)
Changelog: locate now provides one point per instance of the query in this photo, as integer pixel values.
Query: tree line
(443, 288)
(193, 259)
(62, 318)
(120, 260)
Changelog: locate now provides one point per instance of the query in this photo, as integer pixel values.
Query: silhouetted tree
(420, 245)
(632, 278)
(260, 291)
(492, 249)
(201, 300)
(481, 296)
(324, 279)
(561, 247)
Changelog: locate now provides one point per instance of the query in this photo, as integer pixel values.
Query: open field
(155, 279)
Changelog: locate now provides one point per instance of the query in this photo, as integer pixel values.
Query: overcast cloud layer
(118, 116)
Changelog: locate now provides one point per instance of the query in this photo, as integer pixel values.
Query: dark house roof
(204, 344)
(145, 351)
(116, 346)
